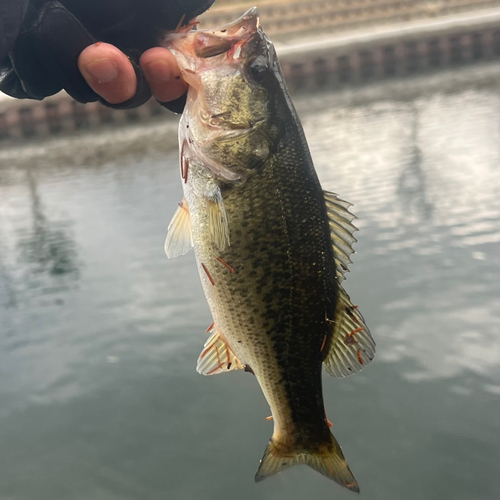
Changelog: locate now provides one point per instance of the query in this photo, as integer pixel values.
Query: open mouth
(211, 43)
(246, 25)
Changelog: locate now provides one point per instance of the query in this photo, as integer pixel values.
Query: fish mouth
(205, 44)
(243, 27)
(229, 38)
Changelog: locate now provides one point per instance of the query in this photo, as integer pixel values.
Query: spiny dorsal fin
(351, 346)
(217, 357)
(217, 219)
(179, 238)
(341, 230)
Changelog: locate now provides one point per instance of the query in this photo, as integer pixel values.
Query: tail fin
(330, 462)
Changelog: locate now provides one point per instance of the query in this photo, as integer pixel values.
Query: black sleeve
(11, 18)
(43, 49)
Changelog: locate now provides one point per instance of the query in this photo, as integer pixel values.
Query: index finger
(108, 72)
(162, 73)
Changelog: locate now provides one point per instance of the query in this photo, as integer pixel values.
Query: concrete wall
(350, 59)
(61, 114)
(280, 17)
(397, 51)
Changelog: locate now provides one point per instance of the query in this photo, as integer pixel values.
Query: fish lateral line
(184, 163)
(349, 310)
(328, 421)
(186, 171)
(357, 330)
(219, 366)
(323, 344)
(349, 339)
(204, 353)
(224, 263)
(360, 359)
(208, 274)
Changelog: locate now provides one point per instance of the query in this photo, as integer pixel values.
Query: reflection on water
(44, 253)
(47, 245)
(99, 333)
(426, 193)
(412, 181)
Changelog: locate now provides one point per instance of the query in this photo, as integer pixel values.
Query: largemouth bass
(272, 248)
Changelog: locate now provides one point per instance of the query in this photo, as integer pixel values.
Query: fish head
(232, 72)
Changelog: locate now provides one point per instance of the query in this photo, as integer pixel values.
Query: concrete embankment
(324, 61)
(393, 51)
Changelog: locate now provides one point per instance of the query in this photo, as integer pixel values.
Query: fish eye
(258, 68)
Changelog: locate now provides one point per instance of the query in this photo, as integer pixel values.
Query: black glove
(40, 42)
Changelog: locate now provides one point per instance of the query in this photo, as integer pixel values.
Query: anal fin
(217, 357)
(351, 346)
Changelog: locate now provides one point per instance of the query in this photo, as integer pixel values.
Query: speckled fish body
(271, 246)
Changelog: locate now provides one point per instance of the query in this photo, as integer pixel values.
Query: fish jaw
(193, 49)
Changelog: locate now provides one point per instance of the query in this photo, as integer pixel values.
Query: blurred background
(99, 332)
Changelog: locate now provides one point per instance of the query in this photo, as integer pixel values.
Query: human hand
(43, 42)
(110, 74)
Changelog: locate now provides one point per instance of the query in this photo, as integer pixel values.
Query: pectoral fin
(351, 346)
(217, 357)
(217, 219)
(179, 239)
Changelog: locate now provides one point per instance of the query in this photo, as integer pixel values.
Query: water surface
(99, 332)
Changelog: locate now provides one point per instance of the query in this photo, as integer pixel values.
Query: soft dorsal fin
(217, 219)
(217, 357)
(341, 230)
(351, 346)
(179, 238)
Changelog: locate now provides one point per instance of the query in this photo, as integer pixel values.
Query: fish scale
(272, 247)
(267, 288)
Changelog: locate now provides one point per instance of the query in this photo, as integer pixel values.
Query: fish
(272, 247)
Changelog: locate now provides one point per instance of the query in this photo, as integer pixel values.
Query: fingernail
(103, 70)
(159, 71)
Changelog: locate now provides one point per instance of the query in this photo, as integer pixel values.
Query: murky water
(100, 332)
